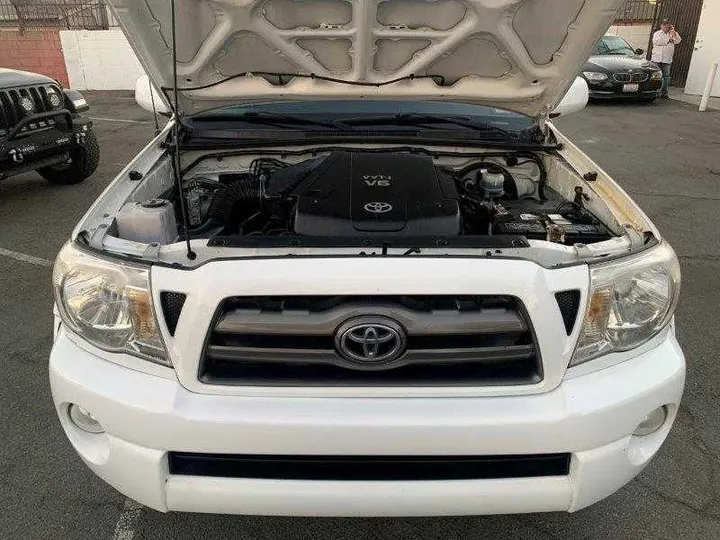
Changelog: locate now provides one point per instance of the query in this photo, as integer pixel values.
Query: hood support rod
(176, 138)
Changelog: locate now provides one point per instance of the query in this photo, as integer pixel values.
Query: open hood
(520, 55)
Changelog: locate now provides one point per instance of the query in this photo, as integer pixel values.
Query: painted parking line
(121, 120)
(24, 257)
(128, 520)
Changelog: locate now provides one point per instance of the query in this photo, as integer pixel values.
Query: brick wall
(38, 51)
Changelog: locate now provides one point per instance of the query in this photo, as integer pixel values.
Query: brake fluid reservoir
(492, 184)
(148, 222)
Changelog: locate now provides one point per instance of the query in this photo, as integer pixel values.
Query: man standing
(664, 41)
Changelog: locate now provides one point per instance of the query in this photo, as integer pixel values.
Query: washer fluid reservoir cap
(154, 203)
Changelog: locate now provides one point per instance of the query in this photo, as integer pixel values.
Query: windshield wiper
(415, 119)
(260, 117)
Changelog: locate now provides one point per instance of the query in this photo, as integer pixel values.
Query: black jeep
(41, 129)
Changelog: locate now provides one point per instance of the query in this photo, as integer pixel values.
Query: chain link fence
(61, 14)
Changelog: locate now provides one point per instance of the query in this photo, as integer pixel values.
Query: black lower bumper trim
(9, 168)
(624, 95)
(369, 468)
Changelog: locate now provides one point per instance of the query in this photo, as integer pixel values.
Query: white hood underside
(520, 55)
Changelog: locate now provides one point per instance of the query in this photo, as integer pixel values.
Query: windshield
(613, 45)
(337, 111)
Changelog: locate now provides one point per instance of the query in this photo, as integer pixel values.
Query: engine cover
(365, 193)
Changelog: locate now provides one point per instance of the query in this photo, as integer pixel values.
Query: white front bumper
(145, 416)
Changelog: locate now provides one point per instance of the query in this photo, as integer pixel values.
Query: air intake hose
(237, 200)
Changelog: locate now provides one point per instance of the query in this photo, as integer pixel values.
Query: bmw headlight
(595, 76)
(630, 302)
(108, 303)
(656, 75)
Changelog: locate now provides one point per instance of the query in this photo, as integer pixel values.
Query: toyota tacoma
(361, 273)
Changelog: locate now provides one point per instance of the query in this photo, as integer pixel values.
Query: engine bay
(351, 196)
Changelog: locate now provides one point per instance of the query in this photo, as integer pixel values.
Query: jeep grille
(11, 110)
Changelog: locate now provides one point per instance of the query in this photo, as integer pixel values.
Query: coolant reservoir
(148, 222)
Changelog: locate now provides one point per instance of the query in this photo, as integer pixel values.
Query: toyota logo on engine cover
(370, 340)
(378, 207)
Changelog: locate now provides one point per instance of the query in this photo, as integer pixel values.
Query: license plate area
(631, 87)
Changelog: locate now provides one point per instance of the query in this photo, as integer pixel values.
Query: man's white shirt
(664, 47)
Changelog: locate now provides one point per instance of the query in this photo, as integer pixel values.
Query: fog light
(84, 420)
(652, 422)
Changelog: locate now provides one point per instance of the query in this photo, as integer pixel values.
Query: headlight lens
(108, 303)
(27, 105)
(54, 98)
(630, 302)
(656, 75)
(595, 76)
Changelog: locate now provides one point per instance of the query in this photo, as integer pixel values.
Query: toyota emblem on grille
(378, 207)
(370, 340)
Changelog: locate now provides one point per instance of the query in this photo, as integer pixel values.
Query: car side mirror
(639, 51)
(146, 95)
(574, 100)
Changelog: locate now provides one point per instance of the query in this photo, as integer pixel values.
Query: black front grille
(368, 468)
(450, 341)
(622, 77)
(628, 77)
(11, 109)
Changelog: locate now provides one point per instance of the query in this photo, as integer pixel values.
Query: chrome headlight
(595, 76)
(656, 75)
(630, 302)
(108, 303)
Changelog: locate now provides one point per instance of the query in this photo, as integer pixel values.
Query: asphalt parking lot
(666, 155)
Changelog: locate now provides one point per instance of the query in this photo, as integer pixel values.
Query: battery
(584, 233)
(573, 233)
(531, 229)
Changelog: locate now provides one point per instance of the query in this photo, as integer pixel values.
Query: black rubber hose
(237, 200)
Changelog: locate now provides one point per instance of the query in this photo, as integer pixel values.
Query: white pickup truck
(360, 273)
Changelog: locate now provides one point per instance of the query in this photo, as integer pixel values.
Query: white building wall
(637, 35)
(707, 50)
(99, 60)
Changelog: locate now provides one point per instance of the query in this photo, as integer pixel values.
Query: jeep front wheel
(84, 161)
